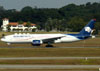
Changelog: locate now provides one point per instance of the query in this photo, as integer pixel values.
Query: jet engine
(57, 41)
(37, 42)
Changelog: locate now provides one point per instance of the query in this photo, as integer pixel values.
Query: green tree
(97, 28)
(41, 15)
(63, 25)
(28, 24)
(49, 24)
(55, 22)
(27, 13)
(20, 22)
(8, 27)
(76, 24)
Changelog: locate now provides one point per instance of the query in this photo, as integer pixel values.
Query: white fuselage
(28, 38)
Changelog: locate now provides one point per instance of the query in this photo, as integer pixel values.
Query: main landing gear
(49, 45)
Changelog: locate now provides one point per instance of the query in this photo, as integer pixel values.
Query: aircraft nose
(2, 39)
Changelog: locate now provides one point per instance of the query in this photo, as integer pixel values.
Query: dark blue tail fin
(87, 30)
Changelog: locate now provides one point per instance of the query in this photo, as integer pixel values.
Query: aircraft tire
(49, 46)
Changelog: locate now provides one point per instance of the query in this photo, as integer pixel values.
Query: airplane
(49, 39)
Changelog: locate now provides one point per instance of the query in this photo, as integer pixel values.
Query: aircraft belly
(69, 39)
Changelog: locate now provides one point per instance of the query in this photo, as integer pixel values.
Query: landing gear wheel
(49, 46)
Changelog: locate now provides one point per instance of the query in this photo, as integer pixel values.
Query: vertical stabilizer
(88, 29)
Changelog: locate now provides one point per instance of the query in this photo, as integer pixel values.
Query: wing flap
(51, 40)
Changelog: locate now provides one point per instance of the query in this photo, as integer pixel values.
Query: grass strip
(53, 62)
(49, 52)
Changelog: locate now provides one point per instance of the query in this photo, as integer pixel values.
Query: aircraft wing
(51, 40)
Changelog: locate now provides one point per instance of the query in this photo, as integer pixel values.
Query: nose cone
(2, 39)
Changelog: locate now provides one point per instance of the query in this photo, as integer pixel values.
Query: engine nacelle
(37, 42)
(57, 41)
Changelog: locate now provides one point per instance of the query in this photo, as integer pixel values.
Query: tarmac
(50, 47)
(43, 58)
(48, 66)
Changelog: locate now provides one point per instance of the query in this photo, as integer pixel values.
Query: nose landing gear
(8, 43)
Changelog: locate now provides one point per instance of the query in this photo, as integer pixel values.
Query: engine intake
(36, 42)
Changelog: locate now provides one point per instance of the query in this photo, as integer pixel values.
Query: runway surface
(42, 58)
(50, 47)
(47, 66)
